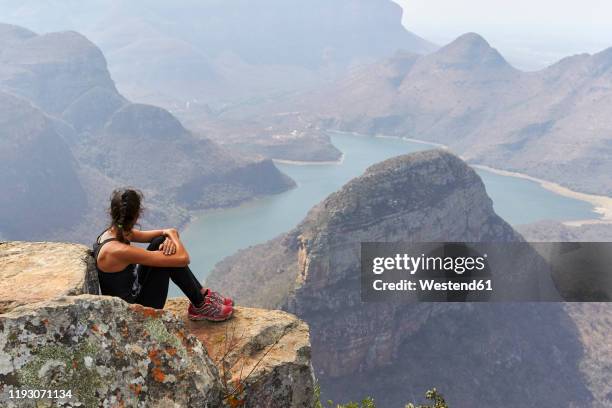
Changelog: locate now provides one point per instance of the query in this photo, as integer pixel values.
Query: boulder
(36, 271)
(56, 335)
(107, 353)
(263, 356)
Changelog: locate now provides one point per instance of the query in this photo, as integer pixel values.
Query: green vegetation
(77, 375)
(158, 332)
(432, 395)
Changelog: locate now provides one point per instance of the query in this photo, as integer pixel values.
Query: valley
(215, 234)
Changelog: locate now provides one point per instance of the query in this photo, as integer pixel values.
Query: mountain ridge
(100, 141)
(553, 124)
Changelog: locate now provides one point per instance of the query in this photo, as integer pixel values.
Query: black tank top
(123, 284)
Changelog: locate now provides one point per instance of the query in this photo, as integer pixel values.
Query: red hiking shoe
(217, 297)
(210, 310)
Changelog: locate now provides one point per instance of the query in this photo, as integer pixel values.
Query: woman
(142, 276)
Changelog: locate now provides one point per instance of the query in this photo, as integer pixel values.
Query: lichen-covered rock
(35, 271)
(107, 352)
(263, 356)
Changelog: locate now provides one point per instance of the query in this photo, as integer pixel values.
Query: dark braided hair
(125, 209)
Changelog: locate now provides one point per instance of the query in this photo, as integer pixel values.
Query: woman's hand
(171, 233)
(171, 243)
(168, 247)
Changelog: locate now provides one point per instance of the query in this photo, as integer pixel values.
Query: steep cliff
(502, 355)
(41, 190)
(53, 335)
(263, 354)
(593, 320)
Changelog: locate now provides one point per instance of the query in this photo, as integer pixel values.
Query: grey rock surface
(55, 336)
(264, 355)
(106, 352)
(32, 272)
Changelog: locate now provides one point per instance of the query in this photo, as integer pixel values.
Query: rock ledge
(36, 271)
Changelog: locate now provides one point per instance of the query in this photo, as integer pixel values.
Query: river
(219, 233)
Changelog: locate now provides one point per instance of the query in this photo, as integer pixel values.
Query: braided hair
(125, 209)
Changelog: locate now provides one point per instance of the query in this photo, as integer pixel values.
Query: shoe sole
(210, 319)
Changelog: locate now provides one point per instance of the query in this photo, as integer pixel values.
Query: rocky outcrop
(107, 353)
(35, 272)
(262, 355)
(502, 355)
(54, 335)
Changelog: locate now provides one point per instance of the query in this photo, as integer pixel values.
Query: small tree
(432, 395)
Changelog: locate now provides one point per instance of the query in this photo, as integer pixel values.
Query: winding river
(219, 233)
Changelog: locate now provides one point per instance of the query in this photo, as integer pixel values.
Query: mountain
(594, 319)
(70, 137)
(53, 69)
(553, 231)
(211, 62)
(224, 52)
(40, 187)
(554, 124)
(479, 354)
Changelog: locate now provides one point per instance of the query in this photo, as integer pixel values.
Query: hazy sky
(530, 33)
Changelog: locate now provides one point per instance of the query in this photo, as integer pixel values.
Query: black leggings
(154, 282)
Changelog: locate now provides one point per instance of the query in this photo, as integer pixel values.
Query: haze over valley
(280, 134)
(69, 139)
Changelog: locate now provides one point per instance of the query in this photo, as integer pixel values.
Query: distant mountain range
(69, 138)
(206, 60)
(555, 124)
(223, 52)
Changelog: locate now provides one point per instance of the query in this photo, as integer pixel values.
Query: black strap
(99, 246)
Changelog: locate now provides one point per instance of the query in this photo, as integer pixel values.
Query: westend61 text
(433, 285)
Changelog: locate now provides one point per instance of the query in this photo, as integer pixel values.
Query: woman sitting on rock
(142, 276)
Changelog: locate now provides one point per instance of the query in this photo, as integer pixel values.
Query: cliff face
(593, 320)
(54, 69)
(53, 335)
(266, 352)
(41, 190)
(481, 354)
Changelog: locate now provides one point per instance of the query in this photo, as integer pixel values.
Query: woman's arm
(134, 255)
(144, 236)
